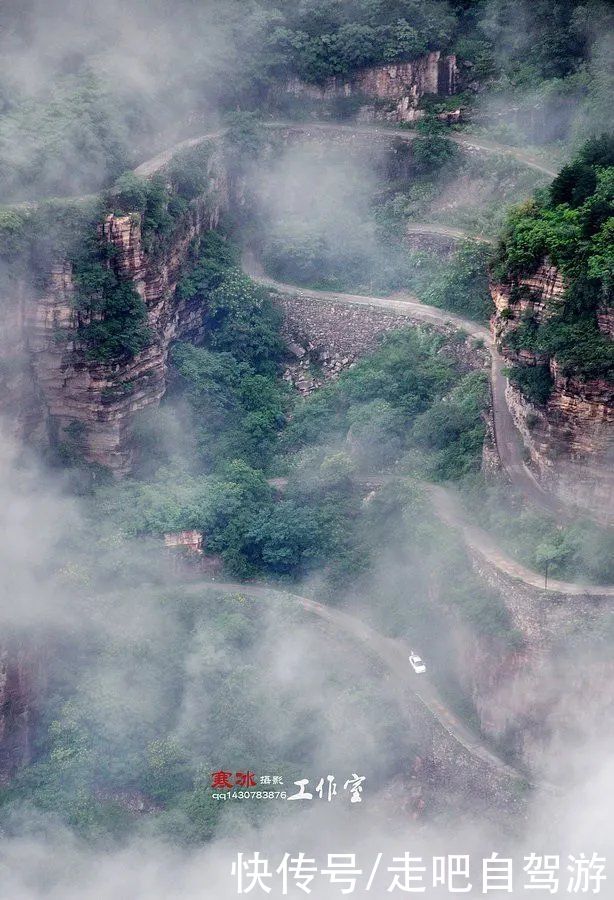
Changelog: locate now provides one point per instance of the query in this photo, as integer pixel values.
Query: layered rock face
(95, 403)
(571, 439)
(430, 240)
(50, 391)
(397, 87)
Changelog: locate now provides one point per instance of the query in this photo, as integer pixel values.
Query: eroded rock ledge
(570, 440)
(55, 391)
(389, 93)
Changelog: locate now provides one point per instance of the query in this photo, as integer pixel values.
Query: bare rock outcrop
(324, 338)
(569, 440)
(531, 695)
(396, 88)
(56, 389)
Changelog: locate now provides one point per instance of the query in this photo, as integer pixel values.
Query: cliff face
(571, 439)
(534, 698)
(397, 88)
(53, 380)
(50, 391)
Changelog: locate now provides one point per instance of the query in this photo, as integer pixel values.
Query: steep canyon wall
(530, 695)
(570, 440)
(51, 389)
(50, 392)
(22, 681)
(387, 93)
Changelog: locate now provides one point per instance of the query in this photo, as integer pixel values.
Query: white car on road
(416, 663)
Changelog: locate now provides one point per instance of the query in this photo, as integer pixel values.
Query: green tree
(114, 315)
(433, 152)
(288, 538)
(244, 322)
(463, 285)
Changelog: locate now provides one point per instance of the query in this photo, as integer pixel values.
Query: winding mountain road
(470, 142)
(394, 656)
(465, 140)
(392, 653)
(308, 129)
(448, 508)
(508, 441)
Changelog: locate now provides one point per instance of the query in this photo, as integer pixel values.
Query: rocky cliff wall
(532, 696)
(570, 440)
(396, 88)
(428, 240)
(50, 392)
(55, 392)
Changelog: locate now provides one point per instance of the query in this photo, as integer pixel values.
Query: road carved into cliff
(394, 655)
(465, 140)
(390, 651)
(449, 510)
(508, 440)
(509, 444)
(470, 142)
(456, 234)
